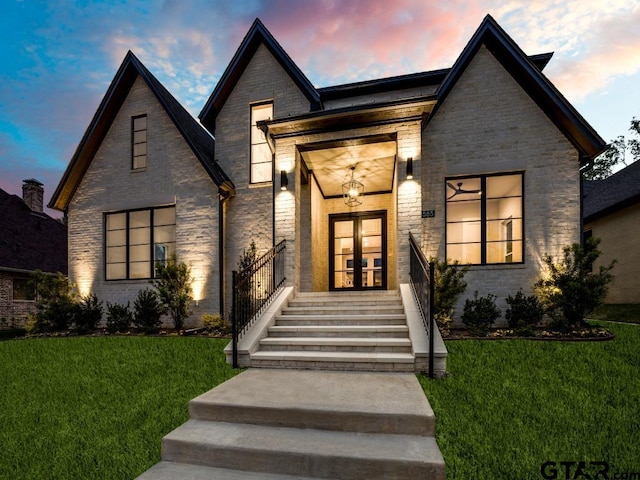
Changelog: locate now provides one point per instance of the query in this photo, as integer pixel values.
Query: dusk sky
(58, 57)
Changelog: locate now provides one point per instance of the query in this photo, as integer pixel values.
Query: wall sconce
(284, 180)
(410, 168)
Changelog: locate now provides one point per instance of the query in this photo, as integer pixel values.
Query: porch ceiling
(331, 166)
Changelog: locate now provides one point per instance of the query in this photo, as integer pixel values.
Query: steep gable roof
(256, 36)
(534, 83)
(200, 142)
(30, 240)
(620, 190)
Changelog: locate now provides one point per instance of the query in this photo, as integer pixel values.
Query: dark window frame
(483, 216)
(127, 245)
(134, 143)
(251, 144)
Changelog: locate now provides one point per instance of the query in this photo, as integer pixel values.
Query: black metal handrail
(253, 289)
(422, 282)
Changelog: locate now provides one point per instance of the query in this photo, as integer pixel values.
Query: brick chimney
(33, 194)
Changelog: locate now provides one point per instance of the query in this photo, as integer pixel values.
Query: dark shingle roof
(30, 240)
(602, 197)
(198, 139)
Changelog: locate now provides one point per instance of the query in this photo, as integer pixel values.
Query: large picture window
(485, 219)
(137, 240)
(261, 158)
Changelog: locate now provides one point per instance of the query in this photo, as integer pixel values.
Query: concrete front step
(341, 319)
(338, 300)
(336, 344)
(345, 331)
(330, 309)
(295, 451)
(350, 361)
(363, 402)
(292, 424)
(185, 471)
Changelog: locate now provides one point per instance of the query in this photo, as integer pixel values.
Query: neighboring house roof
(198, 139)
(620, 190)
(30, 240)
(256, 36)
(530, 78)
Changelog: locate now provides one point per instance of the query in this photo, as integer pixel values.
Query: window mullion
(127, 245)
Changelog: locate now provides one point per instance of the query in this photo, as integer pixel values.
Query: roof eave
(523, 69)
(257, 35)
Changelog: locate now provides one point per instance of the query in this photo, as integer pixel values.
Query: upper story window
(137, 240)
(261, 157)
(484, 219)
(139, 142)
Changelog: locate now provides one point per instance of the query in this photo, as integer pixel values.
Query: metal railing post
(432, 326)
(234, 320)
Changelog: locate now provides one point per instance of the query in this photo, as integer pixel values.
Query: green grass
(629, 313)
(76, 408)
(508, 406)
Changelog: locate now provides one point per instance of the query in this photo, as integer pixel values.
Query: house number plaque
(428, 213)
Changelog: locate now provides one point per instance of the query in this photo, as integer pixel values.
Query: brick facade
(173, 176)
(488, 124)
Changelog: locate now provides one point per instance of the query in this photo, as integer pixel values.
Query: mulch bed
(587, 334)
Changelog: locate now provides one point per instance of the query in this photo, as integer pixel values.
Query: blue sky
(58, 57)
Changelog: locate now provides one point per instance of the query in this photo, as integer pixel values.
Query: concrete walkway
(286, 424)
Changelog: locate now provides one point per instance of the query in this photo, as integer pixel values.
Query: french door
(358, 251)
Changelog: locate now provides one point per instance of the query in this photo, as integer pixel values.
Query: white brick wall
(489, 124)
(249, 215)
(173, 176)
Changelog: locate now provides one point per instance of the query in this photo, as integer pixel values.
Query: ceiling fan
(459, 190)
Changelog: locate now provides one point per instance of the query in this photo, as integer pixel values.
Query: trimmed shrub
(449, 285)
(524, 313)
(147, 311)
(480, 313)
(213, 323)
(56, 304)
(444, 323)
(119, 317)
(173, 284)
(88, 313)
(572, 289)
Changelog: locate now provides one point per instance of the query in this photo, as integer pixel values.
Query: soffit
(374, 166)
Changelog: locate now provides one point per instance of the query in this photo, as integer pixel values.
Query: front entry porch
(363, 331)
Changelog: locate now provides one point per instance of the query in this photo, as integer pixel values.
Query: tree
(621, 151)
(173, 283)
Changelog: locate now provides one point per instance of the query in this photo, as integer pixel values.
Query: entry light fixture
(352, 190)
(410, 168)
(284, 180)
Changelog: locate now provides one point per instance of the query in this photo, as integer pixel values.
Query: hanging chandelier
(352, 190)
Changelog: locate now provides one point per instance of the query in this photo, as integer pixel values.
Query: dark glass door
(358, 251)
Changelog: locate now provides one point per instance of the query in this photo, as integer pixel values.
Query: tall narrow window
(139, 142)
(485, 219)
(137, 241)
(261, 157)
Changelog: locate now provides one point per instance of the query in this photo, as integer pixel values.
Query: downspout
(586, 165)
(222, 197)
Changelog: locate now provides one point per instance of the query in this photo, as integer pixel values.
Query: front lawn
(509, 406)
(625, 312)
(97, 407)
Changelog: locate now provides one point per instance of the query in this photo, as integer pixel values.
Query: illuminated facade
(480, 162)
